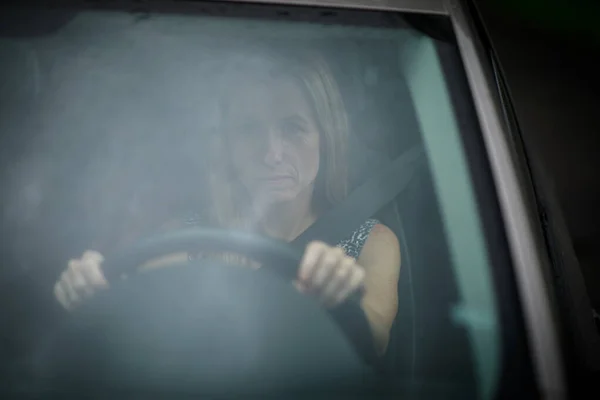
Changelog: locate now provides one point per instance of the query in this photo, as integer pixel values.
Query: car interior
(101, 91)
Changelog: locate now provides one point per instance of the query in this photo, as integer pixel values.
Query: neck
(287, 220)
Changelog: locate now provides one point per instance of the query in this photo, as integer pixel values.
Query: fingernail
(299, 286)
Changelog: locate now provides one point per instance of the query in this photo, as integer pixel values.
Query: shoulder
(354, 242)
(368, 232)
(381, 246)
(380, 233)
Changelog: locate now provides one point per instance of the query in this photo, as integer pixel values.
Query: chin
(272, 197)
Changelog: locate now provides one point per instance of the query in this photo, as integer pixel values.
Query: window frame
(516, 199)
(418, 6)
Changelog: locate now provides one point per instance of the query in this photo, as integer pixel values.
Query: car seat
(426, 347)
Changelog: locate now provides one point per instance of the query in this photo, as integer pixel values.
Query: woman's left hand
(328, 273)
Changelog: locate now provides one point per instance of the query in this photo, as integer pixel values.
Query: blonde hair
(229, 205)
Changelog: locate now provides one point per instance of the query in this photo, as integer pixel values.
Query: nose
(274, 148)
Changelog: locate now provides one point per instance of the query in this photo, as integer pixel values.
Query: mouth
(275, 179)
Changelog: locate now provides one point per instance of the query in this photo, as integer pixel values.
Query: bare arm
(328, 273)
(380, 257)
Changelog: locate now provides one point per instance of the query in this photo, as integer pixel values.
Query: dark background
(548, 51)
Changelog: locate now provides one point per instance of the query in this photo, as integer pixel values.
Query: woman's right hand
(82, 278)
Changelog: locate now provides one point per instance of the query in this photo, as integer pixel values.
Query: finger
(77, 280)
(94, 276)
(354, 283)
(309, 261)
(61, 295)
(93, 256)
(67, 287)
(328, 262)
(301, 287)
(91, 269)
(339, 279)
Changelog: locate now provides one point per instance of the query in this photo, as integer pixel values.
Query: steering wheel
(203, 326)
(277, 256)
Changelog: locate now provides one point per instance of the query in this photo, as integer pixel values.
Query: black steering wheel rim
(276, 256)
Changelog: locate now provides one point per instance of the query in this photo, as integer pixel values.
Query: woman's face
(273, 139)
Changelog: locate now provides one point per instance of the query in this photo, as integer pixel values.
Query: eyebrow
(297, 118)
(246, 122)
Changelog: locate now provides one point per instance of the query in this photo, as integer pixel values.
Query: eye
(248, 130)
(293, 128)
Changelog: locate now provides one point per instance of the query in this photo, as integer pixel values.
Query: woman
(278, 161)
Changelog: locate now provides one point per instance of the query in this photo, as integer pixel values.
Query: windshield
(119, 124)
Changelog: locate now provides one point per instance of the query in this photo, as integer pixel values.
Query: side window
(476, 309)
